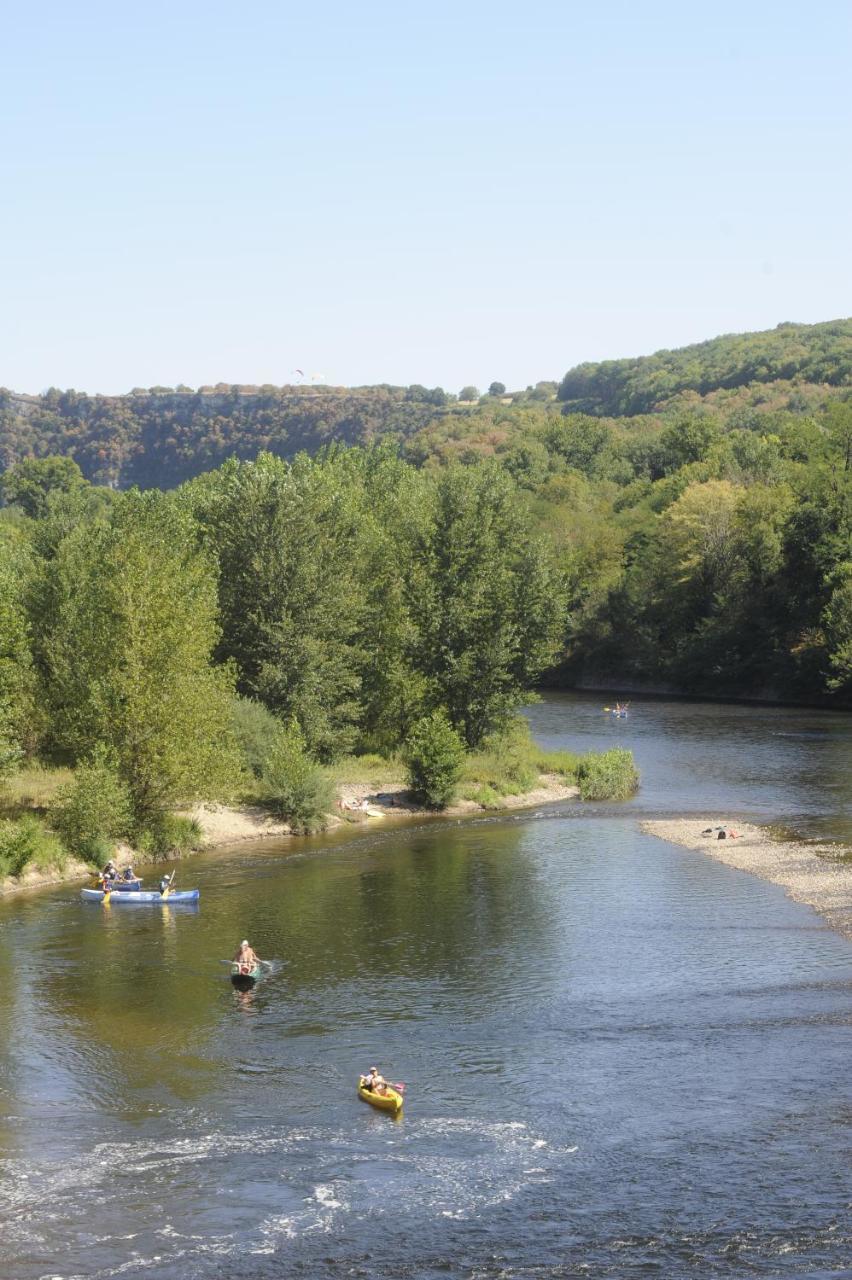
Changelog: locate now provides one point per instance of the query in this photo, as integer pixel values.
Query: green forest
(284, 577)
(242, 634)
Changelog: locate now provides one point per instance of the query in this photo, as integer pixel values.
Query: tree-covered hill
(163, 436)
(793, 353)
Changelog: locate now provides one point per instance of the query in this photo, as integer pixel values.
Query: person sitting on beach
(246, 957)
(374, 1082)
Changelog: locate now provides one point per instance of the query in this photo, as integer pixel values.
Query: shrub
(434, 754)
(94, 809)
(257, 731)
(169, 835)
(28, 842)
(294, 785)
(482, 794)
(607, 775)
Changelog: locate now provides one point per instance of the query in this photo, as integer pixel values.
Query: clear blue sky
(443, 193)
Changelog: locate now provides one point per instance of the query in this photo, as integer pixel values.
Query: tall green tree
(17, 703)
(126, 658)
(287, 540)
(486, 602)
(30, 482)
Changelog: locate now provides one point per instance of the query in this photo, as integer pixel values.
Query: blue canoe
(177, 896)
(126, 886)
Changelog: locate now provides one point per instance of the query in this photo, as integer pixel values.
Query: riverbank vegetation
(681, 521)
(239, 636)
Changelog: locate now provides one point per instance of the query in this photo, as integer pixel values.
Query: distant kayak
(390, 1100)
(143, 897)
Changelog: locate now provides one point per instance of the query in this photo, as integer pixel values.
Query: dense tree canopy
(683, 519)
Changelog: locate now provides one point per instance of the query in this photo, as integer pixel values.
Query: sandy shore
(223, 825)
(360, 802)
(393, 800)
(810, 873)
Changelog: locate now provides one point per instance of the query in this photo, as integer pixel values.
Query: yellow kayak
(390, 1100)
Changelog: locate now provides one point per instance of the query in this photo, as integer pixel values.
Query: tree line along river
(621, 1058)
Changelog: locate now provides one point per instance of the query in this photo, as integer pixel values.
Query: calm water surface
(621, 1059)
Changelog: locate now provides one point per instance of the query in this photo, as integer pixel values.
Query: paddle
(166, 890)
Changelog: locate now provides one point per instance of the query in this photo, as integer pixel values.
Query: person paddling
(374, 1082)
(246, 957)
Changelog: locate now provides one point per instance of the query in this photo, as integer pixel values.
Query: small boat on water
(390, 1100)
(125, 886)
(142, 897)
(245, 975)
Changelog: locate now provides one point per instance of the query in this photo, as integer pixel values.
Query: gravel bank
(810, 873)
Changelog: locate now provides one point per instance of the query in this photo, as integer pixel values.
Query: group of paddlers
(111, 876)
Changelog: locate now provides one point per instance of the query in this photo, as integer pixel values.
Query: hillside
(791, 353)
(163, 436)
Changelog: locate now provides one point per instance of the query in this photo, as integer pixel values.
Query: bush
(94, 809)
(169, 835)
(28, 842)
(257, 731)
(607, 775)
(294, 785)
(434, 754)
(482, 794)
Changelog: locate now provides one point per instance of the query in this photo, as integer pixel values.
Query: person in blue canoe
(129, 873)
(166, 881)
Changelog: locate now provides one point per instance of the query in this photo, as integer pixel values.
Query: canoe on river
(141, 897)
(125, 886)
(390, 1100)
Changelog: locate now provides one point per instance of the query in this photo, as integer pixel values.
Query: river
(622, 1059)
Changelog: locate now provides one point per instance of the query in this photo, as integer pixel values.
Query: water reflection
(770, 763)
(620, 1057)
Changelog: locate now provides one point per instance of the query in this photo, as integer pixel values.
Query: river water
(622, 1059)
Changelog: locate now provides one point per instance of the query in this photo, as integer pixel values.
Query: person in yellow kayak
(374, 1082)
(246, 957)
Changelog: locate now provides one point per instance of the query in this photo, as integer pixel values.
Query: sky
(443, 193)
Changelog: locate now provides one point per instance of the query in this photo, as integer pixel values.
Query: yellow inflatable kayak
(390, 1100)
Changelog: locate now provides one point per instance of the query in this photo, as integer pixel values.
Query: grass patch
(481, 793)
(506, 765)
(563, 763)
(33, 787)
(607, 775)
(369, 769)
(170, 835)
